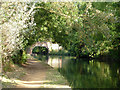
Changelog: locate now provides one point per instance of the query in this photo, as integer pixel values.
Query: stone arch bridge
(49, 45)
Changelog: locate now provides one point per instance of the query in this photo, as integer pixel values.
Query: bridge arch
(49, 45)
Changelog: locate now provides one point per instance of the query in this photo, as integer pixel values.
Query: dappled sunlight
(34, 84)
(87, 31)
(31, 82)
(7, 80)
(38, 84)
(32, 61)
(29, 63)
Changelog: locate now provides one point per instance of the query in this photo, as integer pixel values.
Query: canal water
(85, 73)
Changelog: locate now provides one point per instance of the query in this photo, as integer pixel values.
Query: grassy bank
(18, 76)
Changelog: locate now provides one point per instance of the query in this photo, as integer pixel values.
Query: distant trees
(80, 27)
(40, 50)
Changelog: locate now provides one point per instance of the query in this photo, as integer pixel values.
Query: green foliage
(114, 53)
(60, 52)
(70, 24)
(40, 50)
(20, 57)
(7, 67)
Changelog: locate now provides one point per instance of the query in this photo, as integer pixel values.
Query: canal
(84, 73)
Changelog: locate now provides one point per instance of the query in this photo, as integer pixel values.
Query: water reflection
(55, 62)
(87, 74)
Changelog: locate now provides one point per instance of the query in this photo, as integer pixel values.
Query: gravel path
(38, 75)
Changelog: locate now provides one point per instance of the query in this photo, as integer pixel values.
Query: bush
(20, 57)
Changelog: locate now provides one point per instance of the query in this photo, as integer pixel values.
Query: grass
(8, 77)
(52, 75)
(56, 78)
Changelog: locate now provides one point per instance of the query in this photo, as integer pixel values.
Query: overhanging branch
(58, 13)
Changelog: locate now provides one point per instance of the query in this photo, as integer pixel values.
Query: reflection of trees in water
(55, 61)
(51, 60)
(89, 74)
(84, 73)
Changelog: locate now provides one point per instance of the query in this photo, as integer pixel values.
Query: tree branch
(51, 11)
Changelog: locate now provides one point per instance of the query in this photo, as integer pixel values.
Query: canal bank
(35, 74)
(84, 72)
